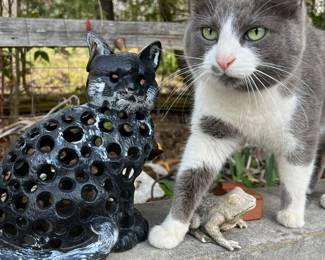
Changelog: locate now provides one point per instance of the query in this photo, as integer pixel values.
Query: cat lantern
(69, 179)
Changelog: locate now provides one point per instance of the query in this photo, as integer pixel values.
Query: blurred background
(45, 74)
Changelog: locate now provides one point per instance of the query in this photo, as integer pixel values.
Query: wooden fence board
(30, 32)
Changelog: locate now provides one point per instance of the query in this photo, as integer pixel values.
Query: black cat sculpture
(79, 165)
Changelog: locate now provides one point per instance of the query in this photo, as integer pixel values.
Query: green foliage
(42, 55)
(271, 173)
(168, 63)
(318, 20)
(244, 162)
(167, 186)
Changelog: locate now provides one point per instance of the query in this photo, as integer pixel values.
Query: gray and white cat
(259, 69)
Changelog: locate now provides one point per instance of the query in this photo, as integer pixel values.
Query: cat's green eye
(255, 34)
(209, 34)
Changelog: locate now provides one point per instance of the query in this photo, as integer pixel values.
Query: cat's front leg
(295, 180)
(203, 158)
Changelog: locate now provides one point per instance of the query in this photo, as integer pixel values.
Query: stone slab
(264, 239)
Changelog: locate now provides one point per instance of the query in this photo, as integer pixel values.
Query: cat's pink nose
(225, 61)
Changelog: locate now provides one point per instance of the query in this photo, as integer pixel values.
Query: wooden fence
(36, 32)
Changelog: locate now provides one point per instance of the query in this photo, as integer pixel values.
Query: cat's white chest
(263, 118)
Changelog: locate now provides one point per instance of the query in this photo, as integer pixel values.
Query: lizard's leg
(196, 221)
(241, 224)
(227, 226)
(201, 236)
(204, 156)
(212, 228)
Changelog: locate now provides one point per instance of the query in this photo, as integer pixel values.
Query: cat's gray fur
(292, 44)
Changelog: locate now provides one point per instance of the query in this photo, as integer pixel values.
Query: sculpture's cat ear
(97, 46)
(152, 54)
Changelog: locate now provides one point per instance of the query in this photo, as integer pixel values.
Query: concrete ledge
(264, 239)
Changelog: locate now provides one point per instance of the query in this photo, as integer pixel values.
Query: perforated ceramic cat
(259, 69)
(78, 166)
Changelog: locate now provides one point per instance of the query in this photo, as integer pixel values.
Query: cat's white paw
(322, 201)
(164, 238)
(290, 219)
(169, 234)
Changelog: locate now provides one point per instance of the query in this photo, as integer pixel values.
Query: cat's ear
(97, 46)
(152, 54)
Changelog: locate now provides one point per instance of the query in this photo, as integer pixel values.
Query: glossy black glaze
(80, 164)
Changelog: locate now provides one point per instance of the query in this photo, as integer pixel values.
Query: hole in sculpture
(42, 226)
(73, 134)
(106, 126)
(128, 173)
(20, 202)
(133, 153)
(21, 168)
(75, 232)
(114, 77)
(2, 216)
(20, 143)
(113, 150)
(104, 110)
(68, 119)
(68, 157)
(29, 150)
(12, 157)
(46, 144)
(85, 151)
(51, 125)
(111, 205)
(30, 186)
(46, 172)
(97, 141)
(122, 115)
(66, 184)
(126, 130)
(140, 116)
(81, 176)
(14, 185)
(44, 200)
(55, 243)
(3, 195)
(97, 168)
(9, 230)
(21, 222)
(89, 193)
(88, 118)
(34, 133)
(6, 175)
(65, 208)
(144, 130)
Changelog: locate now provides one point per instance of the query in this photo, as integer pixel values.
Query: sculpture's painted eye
(141, 80)
(209, 34)
(115, 77)
(255, 34)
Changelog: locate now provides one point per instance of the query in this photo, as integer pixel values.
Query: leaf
(240, 165)
(270, 171)
(167, 186)
(41, 55)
